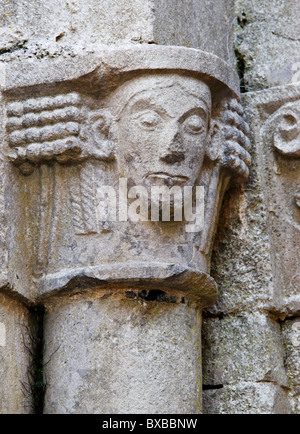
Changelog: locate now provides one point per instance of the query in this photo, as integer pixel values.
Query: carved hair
(48, 128)
(237, 145)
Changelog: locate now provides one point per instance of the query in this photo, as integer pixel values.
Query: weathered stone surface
(255, 259)
(59, 28)
(196, 23)
(247, 347)
(241, 258)
(109, 355)
(14, 357)
(62, 24)
(247, 398)
(295, 401)
(108, 67)
(4, 223)
(291, 334)
(268, 42)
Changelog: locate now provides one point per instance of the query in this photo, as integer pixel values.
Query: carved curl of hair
(236, 131)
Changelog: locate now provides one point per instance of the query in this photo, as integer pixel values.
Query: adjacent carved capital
(276, 128)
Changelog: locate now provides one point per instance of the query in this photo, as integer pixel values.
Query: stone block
(241, 258)
(58, 27)
(294, 397)
(247, 398)
(196, 23)
(247, 347)
(4, 220)
(268, 42)
(291, 334)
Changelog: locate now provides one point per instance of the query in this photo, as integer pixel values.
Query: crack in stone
(289, 38)
(15, 47)
(212, 387)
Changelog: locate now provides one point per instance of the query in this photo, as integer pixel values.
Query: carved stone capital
(153, 116)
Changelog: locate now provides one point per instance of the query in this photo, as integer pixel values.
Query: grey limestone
(15, 347)
(252, 398)
(113, 355)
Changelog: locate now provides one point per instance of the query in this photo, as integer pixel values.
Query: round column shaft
(116, 355)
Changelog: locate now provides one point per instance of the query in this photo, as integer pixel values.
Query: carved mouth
(167, 178)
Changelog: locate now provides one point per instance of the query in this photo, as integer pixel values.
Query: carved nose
(173, 151)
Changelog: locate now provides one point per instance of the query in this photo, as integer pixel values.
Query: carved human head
(164, 127)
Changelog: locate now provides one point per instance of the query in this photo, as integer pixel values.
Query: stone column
(16, 375)
(123, 292)
(114, 355)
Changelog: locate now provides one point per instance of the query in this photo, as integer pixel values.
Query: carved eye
(194, 125)
(149, 119)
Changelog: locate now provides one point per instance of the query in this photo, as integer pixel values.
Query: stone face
(247, 347)
(68, 141)
(252, 398)
(272, 59)
(14, 357)
(111, 356)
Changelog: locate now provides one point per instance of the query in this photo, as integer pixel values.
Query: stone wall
(251, 336)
